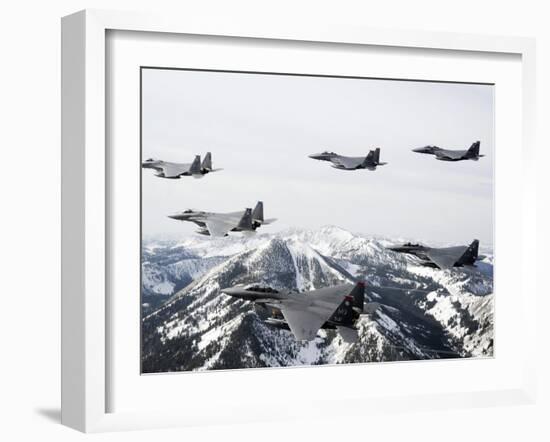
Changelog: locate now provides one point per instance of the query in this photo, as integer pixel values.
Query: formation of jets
(334, 308)
(220, 224)
(340, 307)
(371, 161)
(444, 257)
(304, 314)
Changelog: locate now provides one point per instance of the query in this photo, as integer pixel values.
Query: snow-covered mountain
(189, 325)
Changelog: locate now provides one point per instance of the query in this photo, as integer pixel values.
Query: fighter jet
(338, 307)
(370, 162)
(452, 155)
(220, 224)
(165, 169)
(442, 258)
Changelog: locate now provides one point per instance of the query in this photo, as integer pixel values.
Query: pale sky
(261, 129)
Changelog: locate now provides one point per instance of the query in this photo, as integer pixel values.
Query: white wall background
(30, 220)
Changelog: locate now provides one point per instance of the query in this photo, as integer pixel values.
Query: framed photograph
(294, 217)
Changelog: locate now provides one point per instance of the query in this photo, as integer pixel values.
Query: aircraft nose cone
(316, 156)
(418, 149)
(229, 290)
(174, 216)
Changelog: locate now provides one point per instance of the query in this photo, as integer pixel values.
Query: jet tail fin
(351, 307)
(470, 256)
(195, 168)
(370, 159)
(207, 162)
(358, 296)
(377, 156)
(246, 221)
(258, 213)
(473, 151)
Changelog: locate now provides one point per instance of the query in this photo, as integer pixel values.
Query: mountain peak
(328, 229)
(423, 313)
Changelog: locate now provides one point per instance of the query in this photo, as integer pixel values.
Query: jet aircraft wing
(349, 335)
(218, 226)
(447, 257)
(303, 324)
(306, 314)
(171, 170)
(347, 162)
(450, 154)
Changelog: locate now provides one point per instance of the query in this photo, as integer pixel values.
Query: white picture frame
(85, 211)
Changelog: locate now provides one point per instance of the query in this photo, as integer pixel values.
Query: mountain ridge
(424, 313)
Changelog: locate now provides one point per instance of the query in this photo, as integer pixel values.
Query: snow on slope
(425, 313)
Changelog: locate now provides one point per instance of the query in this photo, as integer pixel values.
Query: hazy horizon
(261, 129)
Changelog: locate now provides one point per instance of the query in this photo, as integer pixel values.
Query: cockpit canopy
(149, 160)
(257, 288)
(410, 244)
